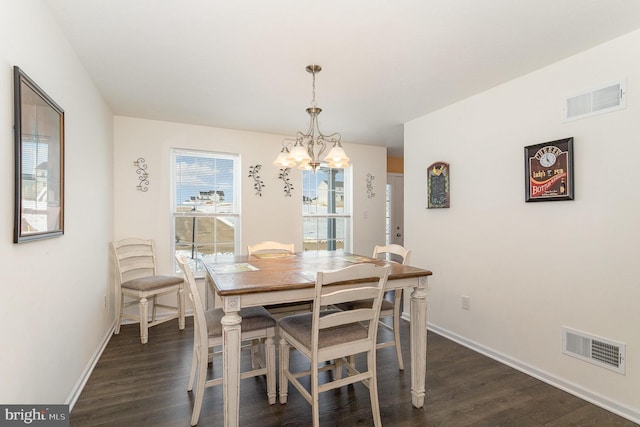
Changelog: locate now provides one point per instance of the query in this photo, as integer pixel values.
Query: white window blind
(206, 204)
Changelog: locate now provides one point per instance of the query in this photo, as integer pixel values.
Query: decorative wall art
(438, 185)
(284, 176)
(258, 184)
(370, 192)
(549, 171)
(39, 162)
(143, 177)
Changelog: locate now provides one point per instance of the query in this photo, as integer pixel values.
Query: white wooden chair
(395, 253)
(390, 308)
(137, 280)
(270, 247)
(257, 324)
(399, 254)
(334, 335)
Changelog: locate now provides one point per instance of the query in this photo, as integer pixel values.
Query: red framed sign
(549, 171)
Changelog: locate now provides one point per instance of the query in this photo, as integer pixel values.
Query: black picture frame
(438, 185)
(548, 171)
(39, 162)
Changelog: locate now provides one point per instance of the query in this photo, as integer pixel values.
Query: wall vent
(611, 97)
(599, 351)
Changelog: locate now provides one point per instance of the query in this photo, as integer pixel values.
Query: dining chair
(390, 307)
(137, 281)
(270, 247)
(394, 253)
(328, 337)
(257, 324)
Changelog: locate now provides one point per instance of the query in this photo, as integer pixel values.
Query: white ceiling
(241, 64)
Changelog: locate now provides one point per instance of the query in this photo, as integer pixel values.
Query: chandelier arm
(333, 138)
(311, 129)
(310, 146)
(288, 142)
(322, 143)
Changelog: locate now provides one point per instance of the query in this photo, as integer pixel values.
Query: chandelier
(309, 146)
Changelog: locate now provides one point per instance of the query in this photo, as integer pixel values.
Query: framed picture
(438, 185)
(548, 169)
(39, 162)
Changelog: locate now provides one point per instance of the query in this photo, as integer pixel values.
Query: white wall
(271, 216)
(531, 268)
(52, 317)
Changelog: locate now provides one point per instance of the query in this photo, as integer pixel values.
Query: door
(395, 209)
(395, 225)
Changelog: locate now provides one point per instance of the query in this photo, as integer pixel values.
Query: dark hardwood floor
(145, 385)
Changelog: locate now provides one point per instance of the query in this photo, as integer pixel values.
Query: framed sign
(39, 162)
(438, 185)
(549, 171)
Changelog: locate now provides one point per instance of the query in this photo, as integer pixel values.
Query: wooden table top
(238, 275)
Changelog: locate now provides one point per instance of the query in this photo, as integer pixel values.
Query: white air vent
(602, 100)
(599, 351)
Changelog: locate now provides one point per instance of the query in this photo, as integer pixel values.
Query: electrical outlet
(466, 302)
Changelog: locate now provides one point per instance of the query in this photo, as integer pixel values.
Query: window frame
(347, 214)
(235, 215)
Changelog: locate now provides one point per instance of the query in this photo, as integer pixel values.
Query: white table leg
(418, 342)
(231, 354)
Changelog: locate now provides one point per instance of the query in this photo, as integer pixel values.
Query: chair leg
(337, 372)
(270, 360)
(144, 313)
(284, 364)
(154, 311)
(396, 335)
(395, 326)
(373, 389)
(315, 404)
(194, 367)
(181, 321)
(119, 304)
(352, 360)
(255, 349)
(200, 385)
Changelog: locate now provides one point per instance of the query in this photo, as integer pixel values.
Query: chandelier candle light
(307, 147)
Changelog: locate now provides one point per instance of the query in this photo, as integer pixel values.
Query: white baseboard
(632, 414)
(82, 381)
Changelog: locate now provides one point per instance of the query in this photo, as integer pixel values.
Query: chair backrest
(134, 259)
(200, 322)
(270, 247)
(392, 252)
(370, 280)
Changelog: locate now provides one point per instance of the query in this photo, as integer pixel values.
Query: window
(205, 204)
(326, 210)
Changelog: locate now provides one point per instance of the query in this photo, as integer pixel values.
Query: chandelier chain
(314, 104)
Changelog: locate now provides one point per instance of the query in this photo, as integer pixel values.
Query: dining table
(274, 279)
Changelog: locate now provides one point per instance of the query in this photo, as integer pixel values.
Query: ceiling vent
(611, 97)
(599, 351)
